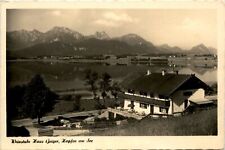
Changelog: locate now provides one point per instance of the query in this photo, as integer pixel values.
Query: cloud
(118, 17)
(113, 19)
(190, 24)
(107, 23)
(56, 13)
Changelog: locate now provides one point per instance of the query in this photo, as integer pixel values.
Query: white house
(163, 93)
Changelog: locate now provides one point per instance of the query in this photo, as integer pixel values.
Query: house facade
(163, 93)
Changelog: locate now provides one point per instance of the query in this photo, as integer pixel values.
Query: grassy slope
(66, 106)
(200, 123)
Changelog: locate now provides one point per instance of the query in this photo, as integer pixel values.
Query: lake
(65, 75)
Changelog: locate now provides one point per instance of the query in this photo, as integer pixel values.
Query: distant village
(203, 60)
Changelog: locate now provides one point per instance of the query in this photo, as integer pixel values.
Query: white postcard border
(127, 142)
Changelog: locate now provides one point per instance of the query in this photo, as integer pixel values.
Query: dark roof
(165, 84)
(150, 101)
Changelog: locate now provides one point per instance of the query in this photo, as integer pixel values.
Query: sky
(176, 27)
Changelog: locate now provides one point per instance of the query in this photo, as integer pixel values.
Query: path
(29, 122)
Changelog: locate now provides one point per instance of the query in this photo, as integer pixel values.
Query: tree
(38, 98)
(105, 85)
(115, 89)
(13, 106)
(14, 101)
(91, 79)
(98, 104)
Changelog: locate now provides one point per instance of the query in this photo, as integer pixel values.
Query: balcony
(151, 101)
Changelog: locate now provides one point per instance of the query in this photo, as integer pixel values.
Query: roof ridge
(167, 73)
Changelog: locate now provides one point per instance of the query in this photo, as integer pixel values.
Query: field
(200, 123)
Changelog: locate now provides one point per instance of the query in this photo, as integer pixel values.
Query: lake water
(63, 76)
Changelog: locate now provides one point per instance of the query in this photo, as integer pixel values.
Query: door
(132, 104)
(152, 109)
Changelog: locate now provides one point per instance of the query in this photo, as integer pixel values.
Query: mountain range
(62, 41)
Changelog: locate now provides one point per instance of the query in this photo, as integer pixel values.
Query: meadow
(200, 123)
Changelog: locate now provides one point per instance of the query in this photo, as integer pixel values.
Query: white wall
(170, 108)
(126, 103)
(140, 110)
(136, 107)
(178, 101)
(198, 95)
(156, 110)
(179, 98)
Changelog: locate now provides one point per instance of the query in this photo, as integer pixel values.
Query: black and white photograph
(89, 72)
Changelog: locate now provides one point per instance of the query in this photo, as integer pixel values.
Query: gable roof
(166, 84)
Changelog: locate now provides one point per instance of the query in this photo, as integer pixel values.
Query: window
(131, 91)
(143, 93)
(143, 105)
(163, 97)
(188, 93)
(163, 110)
(151, 94)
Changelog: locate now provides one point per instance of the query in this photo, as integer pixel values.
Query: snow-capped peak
(59, 32)
(101, 35)
(61, 29)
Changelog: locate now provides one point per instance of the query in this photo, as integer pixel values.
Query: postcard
(112, 75)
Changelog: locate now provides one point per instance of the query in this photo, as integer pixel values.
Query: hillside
(17, 40)
(165, 48)
(202, 49)
(90, 46)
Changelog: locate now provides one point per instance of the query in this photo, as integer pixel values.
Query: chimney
(148, 72)
(163, 72)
